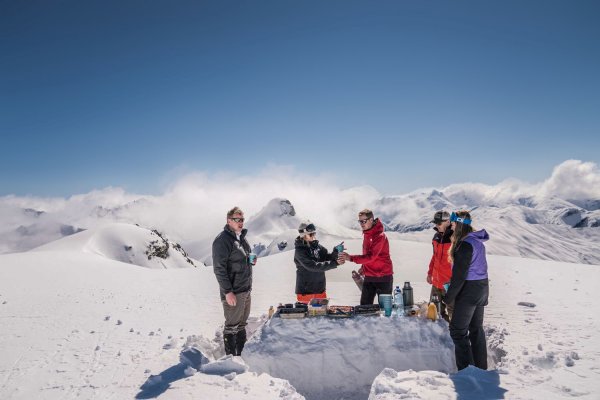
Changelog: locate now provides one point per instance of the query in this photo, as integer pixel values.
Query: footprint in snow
(526, 304)
(569, 361)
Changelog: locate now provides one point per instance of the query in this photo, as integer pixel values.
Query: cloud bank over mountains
(193, 208)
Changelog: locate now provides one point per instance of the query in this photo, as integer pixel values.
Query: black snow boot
(240, 341)
(230, 343)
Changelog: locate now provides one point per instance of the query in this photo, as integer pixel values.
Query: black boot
(240, 341)
(229, 341)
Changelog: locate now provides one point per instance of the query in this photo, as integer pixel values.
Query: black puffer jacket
(230, 262)
(312, 260)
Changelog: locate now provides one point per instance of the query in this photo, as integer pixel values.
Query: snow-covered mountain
(557, 219)
(534, 227)
(275, 227)
(547, 228)
(126, 243)
(23, 229)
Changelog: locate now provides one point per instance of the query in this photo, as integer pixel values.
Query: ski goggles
(310, 228)
(456, 218)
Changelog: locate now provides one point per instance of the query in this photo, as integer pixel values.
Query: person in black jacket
(312, 260)
(233, 269)
(469, 291)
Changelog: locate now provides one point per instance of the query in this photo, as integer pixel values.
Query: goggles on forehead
(310, 228)
(456, 218)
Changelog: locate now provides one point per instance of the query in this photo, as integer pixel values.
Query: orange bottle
(432, 313)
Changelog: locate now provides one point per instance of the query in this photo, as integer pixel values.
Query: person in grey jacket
(233, 269)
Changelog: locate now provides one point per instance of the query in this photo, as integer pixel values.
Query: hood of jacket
(480, 236)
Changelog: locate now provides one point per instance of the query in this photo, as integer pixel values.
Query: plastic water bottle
(408, 295)
(398, 301)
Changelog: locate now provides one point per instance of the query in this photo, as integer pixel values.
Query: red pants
(306, 298)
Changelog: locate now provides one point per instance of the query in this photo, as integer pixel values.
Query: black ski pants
(370, 289)
(466, 330)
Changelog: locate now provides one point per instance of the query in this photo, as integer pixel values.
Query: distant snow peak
(287, 208)
(33, 212)
(160, 248)
(278, 215)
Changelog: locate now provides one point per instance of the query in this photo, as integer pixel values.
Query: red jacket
(375, 258)
(440, 269)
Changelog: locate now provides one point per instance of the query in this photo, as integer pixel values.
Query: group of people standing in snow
(457, 272)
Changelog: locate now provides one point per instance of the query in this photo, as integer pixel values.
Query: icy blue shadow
(473, 383)
(156, 385)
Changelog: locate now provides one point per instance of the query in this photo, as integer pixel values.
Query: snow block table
(340, 358)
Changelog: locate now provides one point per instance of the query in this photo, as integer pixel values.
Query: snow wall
(326, 358)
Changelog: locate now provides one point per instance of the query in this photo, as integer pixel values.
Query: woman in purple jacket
(469, 291)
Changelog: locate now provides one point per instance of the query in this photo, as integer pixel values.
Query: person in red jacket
(440, 269)
(375, 259)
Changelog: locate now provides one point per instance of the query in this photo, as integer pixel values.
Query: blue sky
(395, 94)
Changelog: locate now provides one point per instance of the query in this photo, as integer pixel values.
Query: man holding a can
(375, 259)
(232, 263)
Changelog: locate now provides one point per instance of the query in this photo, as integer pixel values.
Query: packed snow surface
(77, 324)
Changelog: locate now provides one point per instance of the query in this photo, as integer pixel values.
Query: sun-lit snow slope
(78, 325)
(126, 243)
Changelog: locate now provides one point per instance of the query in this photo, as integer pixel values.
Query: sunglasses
(363, 221)
(237, 219)
(312, 234)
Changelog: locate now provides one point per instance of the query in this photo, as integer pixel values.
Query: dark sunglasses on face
(312, 234)
(237, 219)
(363, 221)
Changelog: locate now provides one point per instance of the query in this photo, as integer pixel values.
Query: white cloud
(193, 207)
(573, 180)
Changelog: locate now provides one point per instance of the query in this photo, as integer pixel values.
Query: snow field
(57, 342)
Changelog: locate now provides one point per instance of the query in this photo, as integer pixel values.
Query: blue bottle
(398, 301)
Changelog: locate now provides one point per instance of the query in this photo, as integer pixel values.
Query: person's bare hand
(429, 279)
(361, 271)
(345, 256)
(231, 299)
